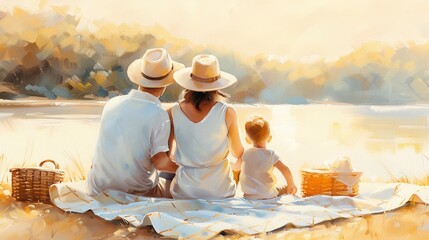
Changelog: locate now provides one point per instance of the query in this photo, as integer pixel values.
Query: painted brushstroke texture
(47, 54)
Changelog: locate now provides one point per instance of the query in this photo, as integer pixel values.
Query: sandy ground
(23, 220)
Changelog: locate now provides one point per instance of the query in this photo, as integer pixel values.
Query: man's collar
(145, 96)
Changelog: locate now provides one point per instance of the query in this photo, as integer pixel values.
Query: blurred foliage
(43, 54)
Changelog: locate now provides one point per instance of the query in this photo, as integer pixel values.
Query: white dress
(202, 149)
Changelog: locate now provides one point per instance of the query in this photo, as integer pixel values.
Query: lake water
(384, 142)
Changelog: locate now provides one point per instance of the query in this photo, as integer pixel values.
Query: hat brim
(135, 75)
(183, 78)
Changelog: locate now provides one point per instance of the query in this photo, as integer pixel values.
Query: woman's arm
(236, 167)
(234, 141)
(234, 134)
(163, 163)
(291, 188)
(171, 141)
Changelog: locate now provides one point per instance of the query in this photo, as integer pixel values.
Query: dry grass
(409, 222)
(22, 220)
(422, 180)
(77, 171)
(4, 169)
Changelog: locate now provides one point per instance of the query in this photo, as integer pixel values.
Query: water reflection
(386, 143)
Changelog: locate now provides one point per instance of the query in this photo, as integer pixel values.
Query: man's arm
(160, 151)
(163, 163)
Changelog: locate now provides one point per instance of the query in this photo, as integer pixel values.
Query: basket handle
(57, 166)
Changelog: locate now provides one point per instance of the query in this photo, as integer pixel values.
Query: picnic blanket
(203, 219)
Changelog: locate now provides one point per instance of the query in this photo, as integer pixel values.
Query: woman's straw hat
(154, 69)
(204, 75)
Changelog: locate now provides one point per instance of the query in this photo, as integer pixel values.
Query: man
(134, 130)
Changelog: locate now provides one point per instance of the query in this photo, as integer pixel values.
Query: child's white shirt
(257, 179)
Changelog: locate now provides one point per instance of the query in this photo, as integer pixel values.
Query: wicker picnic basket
(325, 182)
(32, 184)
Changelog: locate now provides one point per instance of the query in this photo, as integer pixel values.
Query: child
(257, 179)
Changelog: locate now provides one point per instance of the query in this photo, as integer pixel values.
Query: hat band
(157, 78)
(205, 80)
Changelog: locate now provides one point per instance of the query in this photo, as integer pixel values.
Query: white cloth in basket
(343, 165)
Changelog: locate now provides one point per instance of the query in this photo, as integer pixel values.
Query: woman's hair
(257, 129)
(196, 98)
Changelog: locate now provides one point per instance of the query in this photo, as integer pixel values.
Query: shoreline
(49, 103)
(6, 103)
(90, 102)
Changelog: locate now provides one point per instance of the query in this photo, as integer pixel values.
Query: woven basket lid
(325, 170)
(41, 168)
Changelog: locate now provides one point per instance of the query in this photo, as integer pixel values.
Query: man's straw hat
(154, 69)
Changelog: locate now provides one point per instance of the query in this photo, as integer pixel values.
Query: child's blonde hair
(257, 129)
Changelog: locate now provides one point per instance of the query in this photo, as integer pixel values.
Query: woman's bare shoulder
(230, 116)
(230, 110)
(169, 109)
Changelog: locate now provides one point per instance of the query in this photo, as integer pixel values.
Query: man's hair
(151, 89)
(257, 129)
(196, 98)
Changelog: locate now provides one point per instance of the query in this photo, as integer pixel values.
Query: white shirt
(202, 149)
(257, 179)
(133, 129)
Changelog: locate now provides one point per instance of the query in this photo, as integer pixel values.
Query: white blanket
(203, 219)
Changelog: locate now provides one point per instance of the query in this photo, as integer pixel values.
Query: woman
(204, 129)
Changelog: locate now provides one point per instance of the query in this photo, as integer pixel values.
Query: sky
(291, 29)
